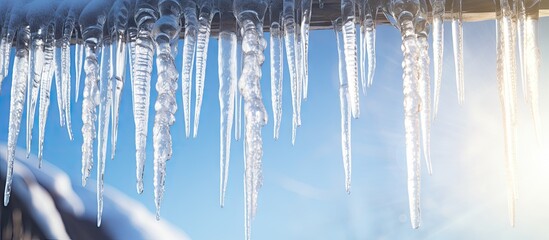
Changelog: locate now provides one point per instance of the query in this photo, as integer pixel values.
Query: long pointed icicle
(227, 84)
(306, 10)
(424, 88)
(405, 14)
(165, 33)
(506, 75)
(457, 37)
(204, 28)
(299, 67)
(142, 68)
(66, 72)
(92, 24)
(227, 66)
(254, 111)
(349, 41)
(532, 66)
(78, 62)
(290, 40)
(438, 48)
(345, 107)
(58, 82)
(19, 87)
(277, 65)
(367, 15)
(189, 50)
(521, 17)
(371, 47)
(45, 88)
(36, 64)
(119, 52)
(105, 103)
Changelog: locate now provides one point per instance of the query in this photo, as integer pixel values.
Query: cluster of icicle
(110, 35)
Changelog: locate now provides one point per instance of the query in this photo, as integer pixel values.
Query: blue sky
(303, 195)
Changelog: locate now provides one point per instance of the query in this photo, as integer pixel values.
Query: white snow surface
(40, 190)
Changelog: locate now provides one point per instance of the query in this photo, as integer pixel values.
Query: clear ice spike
(20, 75)
(412, 125)
(371, 52)
(46, 78)
(36, 65)
(78, 61)
(189, 50)
(345, 107)
(457, 37)
(90, 100)
(204, 28)
(142, 68)
(119, 77)
(105, 103)
(438, 48)
(424, 89)
(521, 16)
(227, 58)
(277, 75)
(291, 56)
(58, 82)
(506, 75)
(165, 108)
(532, 60)
(165, 33)
(405, 14)
(66, 80)
(351, 54)
(306, 10)
(255, 113)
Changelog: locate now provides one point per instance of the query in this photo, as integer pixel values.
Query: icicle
(306, 10)
(120, 15)
(238, 116)
(521, 16)
(367, 14)
(255, 113)
(165, 33)
(20, 75)
(404, 13)
(457, 37)
(506, 75)
(92, 33)
(424, 85)
(4, 21)
(105, 104)
(290, 40)
(532, 65)
(66, 71)
(438, 47)
(78, 57)
(349, 40)
(204, 26)
(227, 66)
(345, 107)
(5, 44)
(36, 64)
(142, 68)
(277, 65)
(132, 39)
(189, 47)
(299, 67)
(58, 82)
(45, 88)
